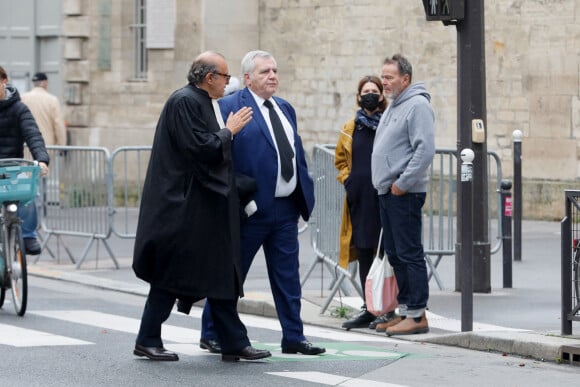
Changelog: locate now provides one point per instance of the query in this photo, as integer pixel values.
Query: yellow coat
(343, 163)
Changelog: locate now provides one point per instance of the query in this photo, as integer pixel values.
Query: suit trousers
(276, 231)
(230, 330)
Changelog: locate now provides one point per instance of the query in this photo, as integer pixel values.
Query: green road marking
(335, 351)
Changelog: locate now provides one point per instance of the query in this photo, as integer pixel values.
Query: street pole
(517, 135)
(506, 232)
(472, 108)
(467, 156)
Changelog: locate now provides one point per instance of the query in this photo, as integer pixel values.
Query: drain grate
(570, 354)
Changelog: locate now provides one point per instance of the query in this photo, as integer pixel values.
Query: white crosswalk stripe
(119, 323)
(21, 337)
(332, 379)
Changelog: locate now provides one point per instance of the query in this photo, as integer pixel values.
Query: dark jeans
(401, 221)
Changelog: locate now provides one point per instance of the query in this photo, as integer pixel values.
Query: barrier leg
(88, 246)
(316, 261)
(85, 251)
(111, 254)
(332, 293)
(44, 246)
(433, 271)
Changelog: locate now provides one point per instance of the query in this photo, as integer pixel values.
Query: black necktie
(284, 149)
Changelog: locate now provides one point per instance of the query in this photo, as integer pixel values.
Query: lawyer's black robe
(187, 238)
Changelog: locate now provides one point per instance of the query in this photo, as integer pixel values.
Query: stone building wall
(323, 47)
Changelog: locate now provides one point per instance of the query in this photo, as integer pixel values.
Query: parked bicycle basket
(18, 183)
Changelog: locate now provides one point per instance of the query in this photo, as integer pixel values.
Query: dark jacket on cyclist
(17, 126)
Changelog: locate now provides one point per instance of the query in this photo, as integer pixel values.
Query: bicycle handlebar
(14, 161)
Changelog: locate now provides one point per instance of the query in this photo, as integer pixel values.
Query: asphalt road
(75, 335)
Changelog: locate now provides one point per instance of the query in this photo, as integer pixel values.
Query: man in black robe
(188, 244)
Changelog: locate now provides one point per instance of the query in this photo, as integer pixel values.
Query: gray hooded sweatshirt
(405, 142)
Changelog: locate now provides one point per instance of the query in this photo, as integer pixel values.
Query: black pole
(472, 106)
(506, 231)
(468, 17)
(517, 195)
(566, 267)
(467, 156)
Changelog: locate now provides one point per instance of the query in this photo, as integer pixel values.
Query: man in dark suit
(270, 150)
(187, 244)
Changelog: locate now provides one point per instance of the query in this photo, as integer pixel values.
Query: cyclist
(17, 126)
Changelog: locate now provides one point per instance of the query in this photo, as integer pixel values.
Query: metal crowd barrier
(94, 194)
(570, 261)
(439, 223)
(76, 198)
(129, 166)
(325, 220)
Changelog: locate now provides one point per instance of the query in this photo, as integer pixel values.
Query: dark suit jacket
(254, 153)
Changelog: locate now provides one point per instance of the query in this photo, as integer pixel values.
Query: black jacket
(17, 126)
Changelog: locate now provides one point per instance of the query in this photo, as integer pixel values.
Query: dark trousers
(401, 221)
(276, 231)
(365, 260)
(230, 330)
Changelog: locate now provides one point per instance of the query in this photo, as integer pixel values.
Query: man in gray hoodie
(402, 152)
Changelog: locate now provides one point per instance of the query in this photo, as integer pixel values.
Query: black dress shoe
(213, 346)
(383, 318)
(31, 246)
(155, 353)
(360, 320)
(304, 347)
(248, 353)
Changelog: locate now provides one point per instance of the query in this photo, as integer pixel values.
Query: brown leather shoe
(382, 327)
(155, 353)
(409, 326)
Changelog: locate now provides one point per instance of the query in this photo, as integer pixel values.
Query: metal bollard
(506, 232)
(517, 134)
(467, 157)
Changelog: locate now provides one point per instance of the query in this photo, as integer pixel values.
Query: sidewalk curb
(526, 344)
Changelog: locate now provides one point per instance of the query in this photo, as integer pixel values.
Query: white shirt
(218, 113)
(283, 188)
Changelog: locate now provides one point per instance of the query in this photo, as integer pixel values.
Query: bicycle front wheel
(18, 274)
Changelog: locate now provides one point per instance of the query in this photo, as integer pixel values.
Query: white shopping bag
(381, 285)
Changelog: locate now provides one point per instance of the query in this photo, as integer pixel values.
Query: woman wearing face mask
(360, 226)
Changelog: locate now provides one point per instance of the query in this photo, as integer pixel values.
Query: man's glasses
(226, 76)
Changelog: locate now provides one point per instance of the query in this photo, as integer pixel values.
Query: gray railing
(94, 194)
(76, 198)
(439, 223)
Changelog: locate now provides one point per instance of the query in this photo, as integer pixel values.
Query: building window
(139, 40)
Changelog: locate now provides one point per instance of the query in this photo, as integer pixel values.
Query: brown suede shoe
(409, 326)
(382, 327)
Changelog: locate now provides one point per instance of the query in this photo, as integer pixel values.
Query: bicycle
(18, 183)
